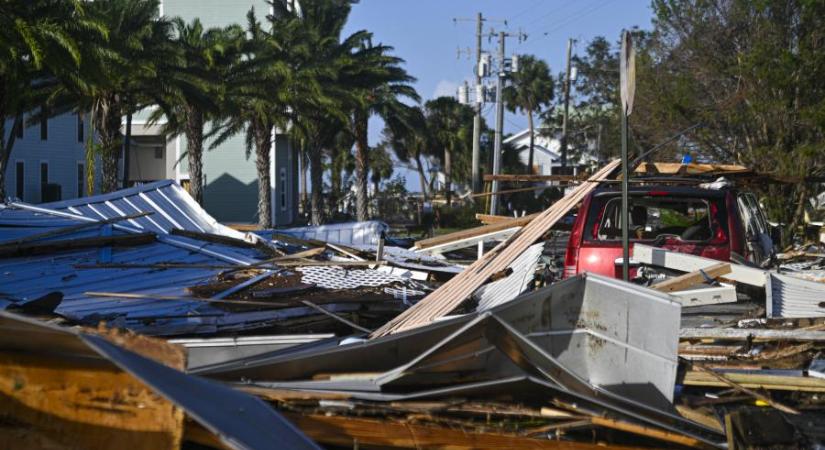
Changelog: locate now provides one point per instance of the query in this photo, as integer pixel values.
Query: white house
(546, 153)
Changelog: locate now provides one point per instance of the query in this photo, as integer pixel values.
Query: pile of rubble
(136, 318)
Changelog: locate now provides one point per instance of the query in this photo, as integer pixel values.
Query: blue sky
(424, 34)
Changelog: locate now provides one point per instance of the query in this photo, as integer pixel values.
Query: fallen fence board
(691, 279)
(452, 293)
(684, 262)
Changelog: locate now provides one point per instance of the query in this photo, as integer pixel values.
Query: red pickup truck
(714, 223)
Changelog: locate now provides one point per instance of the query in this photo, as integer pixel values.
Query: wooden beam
(748, 334)
(690, 279)
(756, 381)
(653, 433)
(477, 231)
(665, 168)
(226, 240)
(46, 247)
(454, 292)
(83, 404)
(724, 379)
(488, 219)
(345, 431)
(525, 177)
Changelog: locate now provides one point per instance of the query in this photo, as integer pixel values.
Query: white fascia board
(684, 262)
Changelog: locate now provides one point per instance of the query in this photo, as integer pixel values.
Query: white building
(547, 154)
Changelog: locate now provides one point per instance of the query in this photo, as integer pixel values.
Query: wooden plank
(477, 231)
(531, 177)
(665, 168)
(690, 279)
(39, 248)
(82, 404)
(345, 431)
(683, 262)
(455, 291)
(488, 219)
(512, 191)
(724, 379)
(756, 335)
(226, 240)
(654, 433)
(757, 381)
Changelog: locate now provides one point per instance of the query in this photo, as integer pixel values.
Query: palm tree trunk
(361, 166)
(316, 174)
(448, 177)
(262, 132)
(335, 179)
(532, 137)
(194, 145)
(422, 179)
(110, 143)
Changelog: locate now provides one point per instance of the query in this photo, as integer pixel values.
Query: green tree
(195, 86)
(120, 76)
(450, 126)
(39, 45)
(531, 91)
(256, 101)
(380, 86)
(750, 72)
(412, 143)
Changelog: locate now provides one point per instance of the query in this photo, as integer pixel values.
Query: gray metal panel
(795, 297)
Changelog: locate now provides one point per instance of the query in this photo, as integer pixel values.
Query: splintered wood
(452, 293)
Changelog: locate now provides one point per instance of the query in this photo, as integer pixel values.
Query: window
(653, 218)
(81, 177)
(80, 127)
(283, 188)
(44, 124)
(18, 130)
(20, 179)
(158, 152)
(44, 179)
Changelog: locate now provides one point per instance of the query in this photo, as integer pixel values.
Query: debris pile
(134, 317)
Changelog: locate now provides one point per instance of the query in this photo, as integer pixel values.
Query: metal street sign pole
(627, 79)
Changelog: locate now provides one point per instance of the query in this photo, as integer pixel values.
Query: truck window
(652, 217)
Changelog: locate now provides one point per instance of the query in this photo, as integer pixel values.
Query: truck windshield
(689, 219)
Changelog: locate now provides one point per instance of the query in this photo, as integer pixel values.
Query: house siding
(61, 151)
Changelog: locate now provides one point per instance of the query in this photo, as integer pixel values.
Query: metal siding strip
(174, 205)
(159, 210)
(122, 214)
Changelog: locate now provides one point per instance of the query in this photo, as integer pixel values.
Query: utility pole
(566, 106)
(499, 121)
(479, 105)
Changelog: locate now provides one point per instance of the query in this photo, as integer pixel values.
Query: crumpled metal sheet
(239, 420)
(351, 233)
(332, 277)
(513, 285)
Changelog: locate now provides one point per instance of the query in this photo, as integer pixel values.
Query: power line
(529, 8)
(572, 19)
(554, 11)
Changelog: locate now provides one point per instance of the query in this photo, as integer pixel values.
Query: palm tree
(255, 104)
(531, 90)
(411, 143)
(383, 83)
(450, 126)
(38, 47)
(195, 86)
(121, 76)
